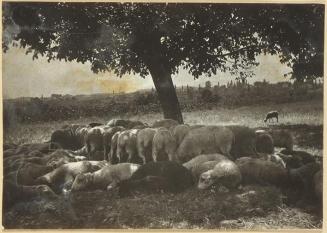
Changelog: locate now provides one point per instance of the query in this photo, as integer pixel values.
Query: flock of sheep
(166, 156)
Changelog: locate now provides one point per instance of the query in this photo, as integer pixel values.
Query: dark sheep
(258, 171)
(305, 157)
(302, 178)
(27, 173)
(291, 161)
(282, 138)
(264, 143)
(166, 175)
(244, 142)
(13, 193)
(70, 137)
(128, 124)
(166, 123)
(44, 147)
(94, 124)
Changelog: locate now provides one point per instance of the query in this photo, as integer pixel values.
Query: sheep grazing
(205, 140)
(144, 141)
(271, 115)
(244, 143)
(128, 124)
(264, 142)
(166, 123)
(163, 146)
(127, 148)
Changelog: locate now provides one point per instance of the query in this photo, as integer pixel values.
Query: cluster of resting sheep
(166, 156)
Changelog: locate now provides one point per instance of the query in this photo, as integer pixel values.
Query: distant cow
(271, 115)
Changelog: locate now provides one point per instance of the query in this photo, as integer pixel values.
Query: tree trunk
(166, 93)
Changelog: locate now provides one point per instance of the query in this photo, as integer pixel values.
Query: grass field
(309, 113)
(209, 209)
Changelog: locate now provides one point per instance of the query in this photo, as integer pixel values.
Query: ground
(249, 207)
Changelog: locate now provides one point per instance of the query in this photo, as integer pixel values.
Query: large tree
(158, 39)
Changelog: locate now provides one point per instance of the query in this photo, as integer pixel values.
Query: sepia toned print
(162, 115)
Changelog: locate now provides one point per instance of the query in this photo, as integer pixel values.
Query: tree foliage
(159, 39)
(203, 38)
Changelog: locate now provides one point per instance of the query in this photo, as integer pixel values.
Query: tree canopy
(158, 39)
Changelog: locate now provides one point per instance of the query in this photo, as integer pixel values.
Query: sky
(23, 77)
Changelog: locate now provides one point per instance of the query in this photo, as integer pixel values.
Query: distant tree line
(234, 94)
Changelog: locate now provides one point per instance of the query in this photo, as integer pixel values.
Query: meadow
(249, 207)
(297, 113)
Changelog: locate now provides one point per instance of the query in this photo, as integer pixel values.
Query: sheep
(224, 173)
(205, 140)
(166, 123)
(244, 142)
(27, 173)
(163, 146)
(13, 193)
(259, 171)
(128, 124)
(302, 178)
(105, 178)
(144, 141)
(303, 156)
(126, 146)
(271, 115)
(70, 136)
(196, 161)
(62, 177)
(164, 175)
(264, 143)
(179, 132)
(107, 137)
(282, 138)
